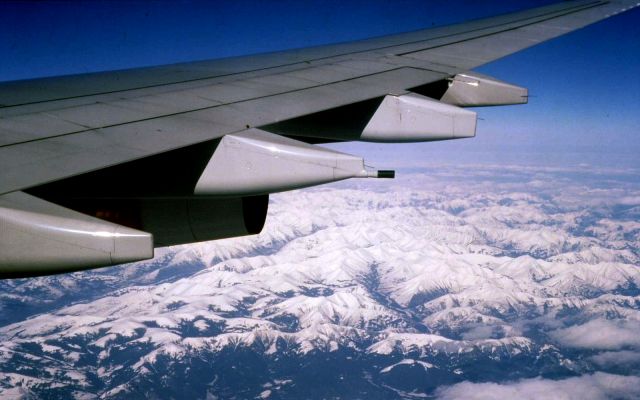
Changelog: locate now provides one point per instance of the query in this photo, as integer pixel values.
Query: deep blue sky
(586, 86)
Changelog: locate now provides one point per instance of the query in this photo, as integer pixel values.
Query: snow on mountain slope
(433, 270)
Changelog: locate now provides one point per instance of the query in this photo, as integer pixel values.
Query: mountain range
(441, 284)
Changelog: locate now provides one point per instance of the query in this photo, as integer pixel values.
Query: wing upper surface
(54, 128)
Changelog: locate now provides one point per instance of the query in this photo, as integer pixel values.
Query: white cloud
(478, 332)
(586, 387)
(621, 359)
(600, 334)
(629, 201)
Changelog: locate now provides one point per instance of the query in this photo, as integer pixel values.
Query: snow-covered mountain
(363, 290)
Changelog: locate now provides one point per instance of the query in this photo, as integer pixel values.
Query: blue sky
(585, 84)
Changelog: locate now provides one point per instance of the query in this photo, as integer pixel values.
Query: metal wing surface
(239, 129)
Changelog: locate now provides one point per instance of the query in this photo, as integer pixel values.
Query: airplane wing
(97, 169)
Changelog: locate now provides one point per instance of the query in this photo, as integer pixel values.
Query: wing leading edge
(80, 155)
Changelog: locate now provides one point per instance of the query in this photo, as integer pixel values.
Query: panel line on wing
(503, 31)
(95, 129)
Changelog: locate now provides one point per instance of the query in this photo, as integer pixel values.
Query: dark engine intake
(182, 220)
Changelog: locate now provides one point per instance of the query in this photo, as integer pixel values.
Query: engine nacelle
(200, 219)
(255, 162)
(408, 117)
(175, 221)
(38, 237)
(415, 118)
(471, 89)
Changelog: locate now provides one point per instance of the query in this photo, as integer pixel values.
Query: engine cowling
(38, 237)
(182, 220)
